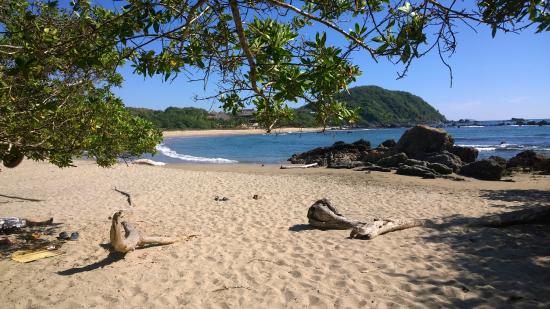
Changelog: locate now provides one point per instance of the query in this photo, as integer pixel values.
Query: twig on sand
(260, 260)
(225, 288)
(128, 196)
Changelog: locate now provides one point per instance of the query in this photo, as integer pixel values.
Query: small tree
(57, 65)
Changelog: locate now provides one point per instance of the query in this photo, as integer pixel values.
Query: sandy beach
(261, 253)
(224, 132)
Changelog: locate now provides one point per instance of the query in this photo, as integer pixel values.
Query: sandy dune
(260, 253)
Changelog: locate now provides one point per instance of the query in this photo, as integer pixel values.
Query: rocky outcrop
(338, 153)
(531, 160)
(485, 169)
(446, 158)
(466, 154)
(393, 161)
(420, 140)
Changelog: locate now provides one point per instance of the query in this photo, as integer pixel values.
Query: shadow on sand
(494, 267)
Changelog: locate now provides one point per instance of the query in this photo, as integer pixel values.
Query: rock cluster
(421, 151)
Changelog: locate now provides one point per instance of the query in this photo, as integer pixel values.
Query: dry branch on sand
(132, 238)
(322, 214)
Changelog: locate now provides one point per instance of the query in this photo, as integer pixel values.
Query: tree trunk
(132, 238)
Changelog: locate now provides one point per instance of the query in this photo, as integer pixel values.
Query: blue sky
(500, 78)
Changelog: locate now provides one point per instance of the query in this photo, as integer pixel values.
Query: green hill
(384, 107)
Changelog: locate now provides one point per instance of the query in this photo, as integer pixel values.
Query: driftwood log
(131, 238)
(323, 215)
(382, 226)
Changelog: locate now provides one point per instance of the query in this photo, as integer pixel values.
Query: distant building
(218, 116)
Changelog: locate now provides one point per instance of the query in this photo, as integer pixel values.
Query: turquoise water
(505, 141)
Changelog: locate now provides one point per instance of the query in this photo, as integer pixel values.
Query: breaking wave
(173, 154)
(504, 146)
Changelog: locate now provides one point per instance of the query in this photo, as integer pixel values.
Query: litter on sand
(26, 256)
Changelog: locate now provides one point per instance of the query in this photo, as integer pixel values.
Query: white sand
(224, 132)
(260, 254)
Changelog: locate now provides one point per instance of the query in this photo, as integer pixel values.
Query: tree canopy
(58, 61)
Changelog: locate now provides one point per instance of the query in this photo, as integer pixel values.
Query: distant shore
(226, 132)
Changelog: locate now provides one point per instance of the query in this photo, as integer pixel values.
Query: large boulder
(413, 162)
(485, 169)
(530, 159)
(393, 161)
(446, 158)
(466, 154)
(440, 168)
(419, 140)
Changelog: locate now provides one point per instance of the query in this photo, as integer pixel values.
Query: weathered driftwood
(325, 216)
(383, 226)
(299, 166)
(131, 238)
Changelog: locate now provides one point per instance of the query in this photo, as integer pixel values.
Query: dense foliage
(55, 98)
(174, 118)
(375, 106)
(378, 106)
(59, 63)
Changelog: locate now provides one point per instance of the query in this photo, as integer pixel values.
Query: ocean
(505, 141)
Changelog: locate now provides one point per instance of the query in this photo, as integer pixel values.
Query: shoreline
(233, 132)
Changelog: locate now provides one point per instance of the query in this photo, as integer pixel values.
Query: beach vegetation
(59, 61)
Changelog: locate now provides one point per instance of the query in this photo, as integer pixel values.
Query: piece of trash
(26, 256)
(255, 196)
(74, 235)
(63, 236)
(221, 199)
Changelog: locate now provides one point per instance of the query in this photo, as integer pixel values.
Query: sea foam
(173, 154)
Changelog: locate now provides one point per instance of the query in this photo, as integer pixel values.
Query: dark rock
(413, 162)
(530, 159)
(338, 153)
(376, 168)
(346, 165)
(389, 143)
(416, 170)
(446, 158)
(362, 143)
(499, 160)
(393, 161)
(466, 154)
(440, 168)
(419, 140)
(375, 155)
(485, 169)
